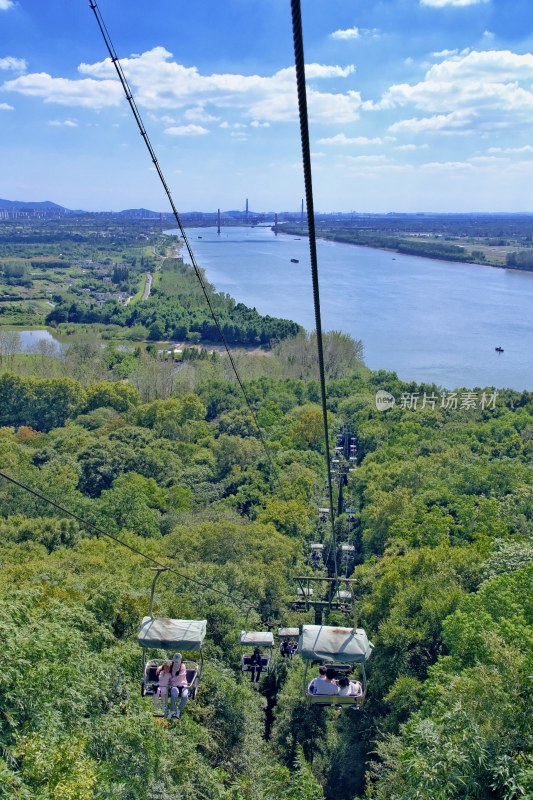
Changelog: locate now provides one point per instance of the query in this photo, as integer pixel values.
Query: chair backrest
(152, 673)
(191, 675)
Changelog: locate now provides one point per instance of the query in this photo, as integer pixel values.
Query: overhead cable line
(121, 542)
(138, 119)
(306, 158)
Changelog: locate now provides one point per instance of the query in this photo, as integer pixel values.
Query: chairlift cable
(121, 542)
(306, 159)
(138, 119)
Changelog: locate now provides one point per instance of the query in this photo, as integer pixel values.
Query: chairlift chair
(255, 639)
(323, 514)
(301, 603)
(165, 633)
(339, 648)
(286, 637)
(316, 554)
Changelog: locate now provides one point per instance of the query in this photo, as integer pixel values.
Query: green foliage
(177, 310)
(443, 509)
(472, 736)
(39, 403)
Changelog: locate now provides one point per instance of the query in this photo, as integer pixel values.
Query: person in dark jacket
(256, 664)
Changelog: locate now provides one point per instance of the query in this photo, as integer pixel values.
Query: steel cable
(306, 158)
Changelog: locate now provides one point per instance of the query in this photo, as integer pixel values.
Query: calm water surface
(427, 320)
(30, 339)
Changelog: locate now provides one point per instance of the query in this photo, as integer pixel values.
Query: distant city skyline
(415, 105)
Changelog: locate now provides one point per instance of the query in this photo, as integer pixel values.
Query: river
(427, 320)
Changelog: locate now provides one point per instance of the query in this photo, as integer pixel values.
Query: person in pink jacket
(178, 686)
(163, 683)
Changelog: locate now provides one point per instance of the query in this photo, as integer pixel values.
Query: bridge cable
(90, 525)
(306, 158)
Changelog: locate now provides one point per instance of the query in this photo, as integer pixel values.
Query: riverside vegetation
(170, 460)
(498, 240)
(92, 271)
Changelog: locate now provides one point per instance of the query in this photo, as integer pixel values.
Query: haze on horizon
(415, 105)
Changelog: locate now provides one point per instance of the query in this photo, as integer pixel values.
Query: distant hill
(22, 205)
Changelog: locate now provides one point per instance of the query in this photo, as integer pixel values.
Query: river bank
(467, 252)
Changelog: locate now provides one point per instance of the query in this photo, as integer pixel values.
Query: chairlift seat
(248, 667)
(334, 699)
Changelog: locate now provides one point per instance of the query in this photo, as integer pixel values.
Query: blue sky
(415, 105)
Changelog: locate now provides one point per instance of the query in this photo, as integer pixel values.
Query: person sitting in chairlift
(325, 683)
(163, 682)
(285, 649)
(178, 686)
(256, 664)
(348, 688)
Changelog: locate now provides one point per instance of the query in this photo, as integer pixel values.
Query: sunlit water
(427, 320)
(29, 340)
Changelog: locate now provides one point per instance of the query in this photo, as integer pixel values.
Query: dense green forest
(443, 505)
(177, 310)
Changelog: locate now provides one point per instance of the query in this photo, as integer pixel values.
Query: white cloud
(476, 92)
(342, 139)
(527, 148)
(65, 123)
(443, 3)
(349, 33)
(16, 64)
(6, 107)
(445, 53)
(487, 161)
(87, 93)
(321, 71)
(411, 147)
(186, 130)
(446, 166)
(199, 114)
(257, 124)
(160, 83)
(456, 122)
(5, 4)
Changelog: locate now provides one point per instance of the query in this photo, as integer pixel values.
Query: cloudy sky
(415, 105)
